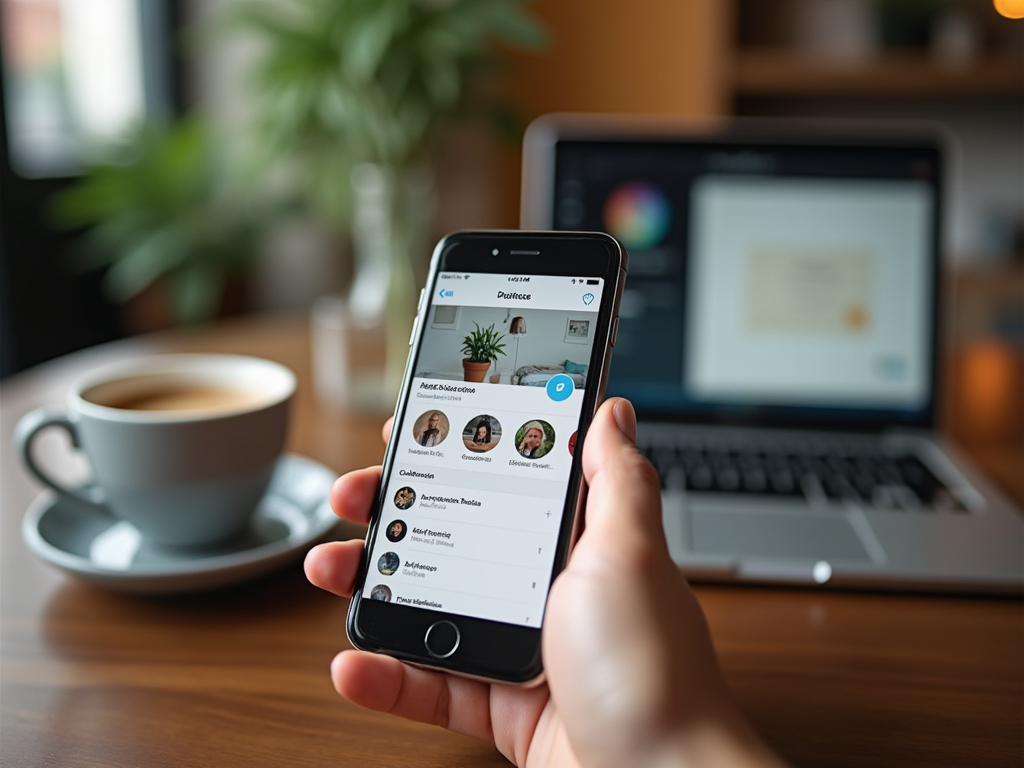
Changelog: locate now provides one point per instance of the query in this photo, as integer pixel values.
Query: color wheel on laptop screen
(637, 214)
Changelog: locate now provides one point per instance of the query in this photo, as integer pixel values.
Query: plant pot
(474, 371)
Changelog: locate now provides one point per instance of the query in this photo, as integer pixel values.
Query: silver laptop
(779, 337)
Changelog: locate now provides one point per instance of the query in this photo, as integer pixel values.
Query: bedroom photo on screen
(537, 344)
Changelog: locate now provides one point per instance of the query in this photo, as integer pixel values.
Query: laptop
(779, 338)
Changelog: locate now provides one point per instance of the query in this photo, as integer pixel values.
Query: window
(76, 75)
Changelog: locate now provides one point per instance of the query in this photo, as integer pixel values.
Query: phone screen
(472, 506)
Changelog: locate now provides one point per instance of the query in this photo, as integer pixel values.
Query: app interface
(473, 504)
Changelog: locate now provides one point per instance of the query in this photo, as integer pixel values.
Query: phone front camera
(494, 252)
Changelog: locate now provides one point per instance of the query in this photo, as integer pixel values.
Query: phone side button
(415, 324)
(442, 639)
(615, 330)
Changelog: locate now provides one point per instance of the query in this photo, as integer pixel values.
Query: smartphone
(482, 484)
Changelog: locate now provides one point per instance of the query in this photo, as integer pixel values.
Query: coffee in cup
(181, 446)
(182, 397)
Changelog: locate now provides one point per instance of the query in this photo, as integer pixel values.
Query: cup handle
(30, 425)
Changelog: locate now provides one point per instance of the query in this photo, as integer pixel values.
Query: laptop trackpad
(770, 535)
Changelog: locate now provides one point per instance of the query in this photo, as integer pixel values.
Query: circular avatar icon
(396, 530)
(405, 497)
(430, 429)
(388, 563)
(381, 592)
(638, 214)
(572, 444)
(481, 433)
(535, 439)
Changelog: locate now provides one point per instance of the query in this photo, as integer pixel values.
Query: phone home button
(442, 639)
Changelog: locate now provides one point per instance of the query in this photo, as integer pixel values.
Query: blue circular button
(560, 387)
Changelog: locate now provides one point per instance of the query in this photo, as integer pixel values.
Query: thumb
(624, 496)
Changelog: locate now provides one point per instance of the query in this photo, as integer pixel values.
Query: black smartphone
(482, 484)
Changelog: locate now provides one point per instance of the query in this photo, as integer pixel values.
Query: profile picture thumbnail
(396, 530)
(381, 592)
(405, 497)
(481, 433)
(388, 563)
(535, 439)
(430, 429)
(572, 444)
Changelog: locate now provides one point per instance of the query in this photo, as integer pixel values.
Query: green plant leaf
(140, 266)
(340, 82)
(172, 205)
(483, 345)
(369, 37)
(106, 242)
(194, 294)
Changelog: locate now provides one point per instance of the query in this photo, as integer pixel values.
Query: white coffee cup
(181, 446)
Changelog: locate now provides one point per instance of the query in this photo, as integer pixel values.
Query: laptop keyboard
(822, 476)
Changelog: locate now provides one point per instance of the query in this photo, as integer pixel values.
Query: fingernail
(625, 419)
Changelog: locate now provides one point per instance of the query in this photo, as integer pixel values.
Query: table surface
(239, 677)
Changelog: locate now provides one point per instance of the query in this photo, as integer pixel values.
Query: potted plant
(338, 83)
(481, 348)
(166, 219)
(349, 97)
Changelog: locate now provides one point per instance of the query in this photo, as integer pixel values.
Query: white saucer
(94, 546)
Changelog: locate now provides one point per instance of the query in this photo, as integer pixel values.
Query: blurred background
(167, 163)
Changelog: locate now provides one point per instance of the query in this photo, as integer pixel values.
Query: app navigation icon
(588, 298)
(560, 387)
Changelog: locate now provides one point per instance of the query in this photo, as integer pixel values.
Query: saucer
(93, 545)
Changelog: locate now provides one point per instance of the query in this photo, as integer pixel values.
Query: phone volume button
(615, 330)
(419, 304)
(415, 325)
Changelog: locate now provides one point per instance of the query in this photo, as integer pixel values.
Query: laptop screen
(770, 282)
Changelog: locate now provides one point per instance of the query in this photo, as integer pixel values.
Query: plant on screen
(483, 345)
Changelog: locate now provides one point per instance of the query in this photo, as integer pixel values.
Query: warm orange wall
(636, 56)
(658, 56)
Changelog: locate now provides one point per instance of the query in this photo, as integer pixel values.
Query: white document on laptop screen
(809, 292)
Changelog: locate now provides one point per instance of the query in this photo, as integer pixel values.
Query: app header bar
(485, 289)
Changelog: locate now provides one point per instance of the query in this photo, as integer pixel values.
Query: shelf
(781, 73)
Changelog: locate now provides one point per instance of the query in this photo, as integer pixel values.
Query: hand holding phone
(631, 674)
(482, 481)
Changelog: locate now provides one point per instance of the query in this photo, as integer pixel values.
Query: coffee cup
(180, 446)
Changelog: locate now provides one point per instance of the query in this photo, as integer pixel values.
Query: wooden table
(239, 677)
